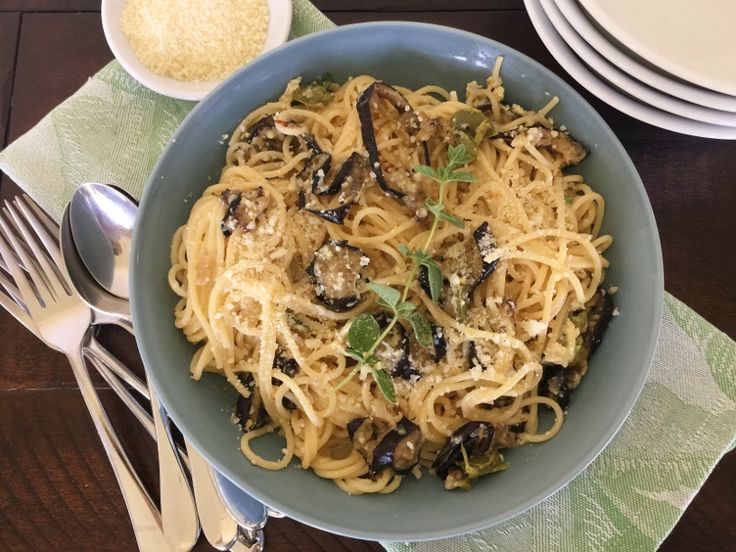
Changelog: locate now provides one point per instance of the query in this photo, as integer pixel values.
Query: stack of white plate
(670, 63)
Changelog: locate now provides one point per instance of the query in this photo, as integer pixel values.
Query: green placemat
(113, 130)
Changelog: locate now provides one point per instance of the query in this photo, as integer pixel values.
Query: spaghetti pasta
(263, 263)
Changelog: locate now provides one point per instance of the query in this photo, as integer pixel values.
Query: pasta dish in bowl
(390, 280)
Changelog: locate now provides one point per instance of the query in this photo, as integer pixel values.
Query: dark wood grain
(9, 26)
(49, 5)
(56, 488)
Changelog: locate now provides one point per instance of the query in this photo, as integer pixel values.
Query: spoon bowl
(102, 219)
(108, 307)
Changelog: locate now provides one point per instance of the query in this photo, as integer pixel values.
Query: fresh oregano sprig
(365, 335)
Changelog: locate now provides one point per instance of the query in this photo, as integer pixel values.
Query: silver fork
(62, 321)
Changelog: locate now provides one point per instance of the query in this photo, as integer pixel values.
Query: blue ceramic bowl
(411, 55)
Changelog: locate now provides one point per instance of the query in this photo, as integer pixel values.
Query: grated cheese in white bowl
(184, 48)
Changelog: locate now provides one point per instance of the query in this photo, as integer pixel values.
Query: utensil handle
(117, 367)
(178, 510)
(144, 516)
(218, 526)
(128, 400)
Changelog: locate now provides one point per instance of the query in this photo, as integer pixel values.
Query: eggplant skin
(403, 368)
(554, 384)
(439, 342)
(337, 303)
(250, 413)
(355, 167)
(424, 280)
(289, 367)
(485, 242)
(367, 131)
(362, 432)
(399, 449)
(348, 183)
(474, 437)
(336, 215)
(354, 425)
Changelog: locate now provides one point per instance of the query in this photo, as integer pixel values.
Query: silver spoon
(178, 511)
(102, 224)
(219, 519)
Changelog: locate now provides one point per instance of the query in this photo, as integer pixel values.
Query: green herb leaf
(434, 208)
(371, 359)
(354, 353)
(460, 176)
(452, 219)
(385, 384)
(363, 333)
(404, 249)
(422, 329)
(434, 275)
(405, 307)
(457, 157)
(420, 256)
(387, 296)
(427, 171)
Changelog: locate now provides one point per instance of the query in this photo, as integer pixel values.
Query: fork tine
(11, 304)
(56, 287)
(17, 255)
(24, 287)
(10, 288)
(48, 233)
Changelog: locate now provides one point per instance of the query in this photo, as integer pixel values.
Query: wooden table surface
(57, 491)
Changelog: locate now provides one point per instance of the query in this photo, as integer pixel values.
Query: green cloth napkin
(113, 130)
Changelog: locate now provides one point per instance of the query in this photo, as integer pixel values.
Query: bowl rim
(279, 27)
(545, 491)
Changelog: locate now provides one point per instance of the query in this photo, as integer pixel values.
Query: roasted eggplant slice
(262, 135)
(361, 430)
(349, 180)
(250, 413)
(314, 171)
(561, 143)
(473, 357)
(336, 215)
(486, 243)
(243, 209)
(348, 183)
(474, 438)
(600, 310)
(592, 322)
(289, 367)
(554, 384)
(399, 449)
(395, 350)
(439, 342)
(362, 433)
(336, 273)
(368, 133)
(558, 381)
(465, 265)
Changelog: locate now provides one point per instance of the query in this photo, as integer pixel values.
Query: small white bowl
(279, 24)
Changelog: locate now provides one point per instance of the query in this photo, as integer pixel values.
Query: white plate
(627, 84)
(701, 96)
(692, 39)
(567, 59)
(279, 24)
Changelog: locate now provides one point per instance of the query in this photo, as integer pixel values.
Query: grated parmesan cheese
(192, 40)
